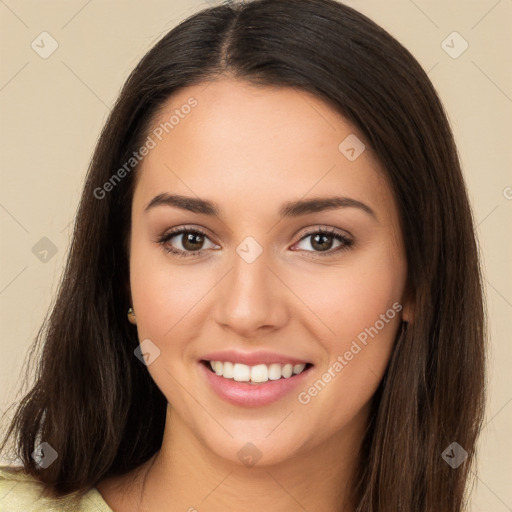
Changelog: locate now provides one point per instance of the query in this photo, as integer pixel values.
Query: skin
(250, 149)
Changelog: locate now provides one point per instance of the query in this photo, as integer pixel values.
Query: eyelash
(346, 243)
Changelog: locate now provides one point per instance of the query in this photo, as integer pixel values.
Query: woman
(273, 298)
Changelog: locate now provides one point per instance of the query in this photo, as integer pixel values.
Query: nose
(251, 300)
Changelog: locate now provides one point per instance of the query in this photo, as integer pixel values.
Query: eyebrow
(289, 209)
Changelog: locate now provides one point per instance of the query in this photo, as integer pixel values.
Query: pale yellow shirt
(20, 492)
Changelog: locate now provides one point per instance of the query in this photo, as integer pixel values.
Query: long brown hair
(93, 401)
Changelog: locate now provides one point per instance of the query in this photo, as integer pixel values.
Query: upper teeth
(259, 373)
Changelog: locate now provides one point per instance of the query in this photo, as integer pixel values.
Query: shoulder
(20, 492)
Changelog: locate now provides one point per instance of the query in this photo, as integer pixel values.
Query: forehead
(257, 146)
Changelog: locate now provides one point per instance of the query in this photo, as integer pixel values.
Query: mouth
(256, 374)
(253, 386)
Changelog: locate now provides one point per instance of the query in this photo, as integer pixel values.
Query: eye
(190, 242)
(322, 241)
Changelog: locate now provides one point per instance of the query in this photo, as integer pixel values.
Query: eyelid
(314, 228)
(186, 229)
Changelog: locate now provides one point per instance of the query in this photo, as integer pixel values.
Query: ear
(131, 317)
(408, 303)
(407, 312)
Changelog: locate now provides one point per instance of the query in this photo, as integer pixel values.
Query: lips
(249, 394)
(259, 392)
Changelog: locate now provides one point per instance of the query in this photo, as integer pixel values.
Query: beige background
(52, 111)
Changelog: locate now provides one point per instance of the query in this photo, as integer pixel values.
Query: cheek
(339, 396)
(166, 300)
(345, 385)
(360, 304)
(352, 296)
(167, 297)
(362, 307)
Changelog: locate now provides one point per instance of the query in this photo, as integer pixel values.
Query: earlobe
(407, 313)
(408, 306)
(131, 316)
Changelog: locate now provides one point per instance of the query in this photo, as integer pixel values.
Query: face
(260, 276)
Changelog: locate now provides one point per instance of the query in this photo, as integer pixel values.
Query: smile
(253, 386)
(257, 374)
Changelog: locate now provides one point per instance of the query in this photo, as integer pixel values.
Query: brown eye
(185, 242)
(323, 241)
(192, 241)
